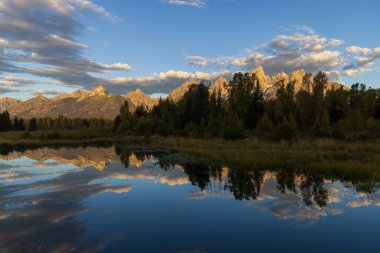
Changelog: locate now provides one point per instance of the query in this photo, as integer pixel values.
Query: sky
(52, 46)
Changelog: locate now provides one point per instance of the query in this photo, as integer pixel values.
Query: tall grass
(349, 160)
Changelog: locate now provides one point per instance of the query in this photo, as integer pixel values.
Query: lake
(155, 200)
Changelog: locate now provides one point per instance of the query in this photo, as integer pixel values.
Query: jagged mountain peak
(99, 90)
(137, 92)
(221, 80)
(219, 86)
(98, 102)
(6, 103)
(39, 98)
(177, 94)
(259, 71)
(281, 74)
(264, 80)
(298, 73)
(138, 97)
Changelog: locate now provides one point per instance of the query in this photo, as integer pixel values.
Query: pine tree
(285, 105)
(21, 125)
(320, 83)
(32, 125)
(337, 104)
(5, 122)
(256, 107)
(16, 126)
(116, 123)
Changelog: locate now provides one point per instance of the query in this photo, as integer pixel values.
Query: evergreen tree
(126, 125)
(320, 83)
(32, 125)
(240, 91)
(256, 107)
(116, 123)
(233, 126)
(16, 126)
(305, 101)
(363, 100)
(140, 111)
(377, 107)
(21, 125)
(216, 104)
(194, 106)
(337, 104)
(5, 122)
(285, 105)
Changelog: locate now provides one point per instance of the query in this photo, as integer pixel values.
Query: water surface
(136, 200)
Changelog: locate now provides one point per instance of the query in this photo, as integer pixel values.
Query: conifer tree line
(245, 112)
(34, 124)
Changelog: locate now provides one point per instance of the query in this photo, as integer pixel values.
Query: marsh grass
(354, 160)
(347, 159)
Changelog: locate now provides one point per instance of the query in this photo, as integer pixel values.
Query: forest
(245, 112)
(242, 111)
(40, 124)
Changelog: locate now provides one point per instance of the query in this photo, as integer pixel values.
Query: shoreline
(352, 159)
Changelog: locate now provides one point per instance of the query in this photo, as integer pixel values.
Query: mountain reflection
(43, 191)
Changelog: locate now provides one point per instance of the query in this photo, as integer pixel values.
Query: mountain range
(98, 103)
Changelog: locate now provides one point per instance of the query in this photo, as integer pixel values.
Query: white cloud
(304, 49)
(117, 66)
(333, 75)
(196, 60)
(161, 82)
(193, 3)
(307, 50)
(46, 44)
(355, 72)
(360, 59)
(16, 81)
(46, 92)
(356, 49)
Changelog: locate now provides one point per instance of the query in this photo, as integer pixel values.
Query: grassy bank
(62, 138)
(352, 159)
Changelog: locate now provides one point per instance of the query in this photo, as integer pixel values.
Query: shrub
(233, 127)
(285, 131)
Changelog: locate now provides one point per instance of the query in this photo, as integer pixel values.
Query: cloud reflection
(43, 192)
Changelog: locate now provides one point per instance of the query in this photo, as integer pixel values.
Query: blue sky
(59, 46)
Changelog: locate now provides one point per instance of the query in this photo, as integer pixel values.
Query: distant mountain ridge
(98, 103)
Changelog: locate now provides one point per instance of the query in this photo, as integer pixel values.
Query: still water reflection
(135, 200)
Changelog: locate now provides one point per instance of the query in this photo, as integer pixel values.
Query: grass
(354, 160)
(59, 138)
(350, 159)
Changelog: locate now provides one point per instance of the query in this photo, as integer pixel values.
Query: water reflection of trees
(243, 184)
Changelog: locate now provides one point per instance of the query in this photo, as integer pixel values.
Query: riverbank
(325, 156)
(354, 159)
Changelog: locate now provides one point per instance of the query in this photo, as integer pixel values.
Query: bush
(319, 130)
(285, 131)
(145, 126)
(25, 135)
(233, 127)
(265, 125)
(213, 126)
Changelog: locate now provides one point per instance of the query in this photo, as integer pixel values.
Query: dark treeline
(247, 184)
(59, 123)
(244, 112)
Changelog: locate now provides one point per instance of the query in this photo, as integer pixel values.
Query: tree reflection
(286, 178)
(124, 155)
(312, 188)
(245, 184)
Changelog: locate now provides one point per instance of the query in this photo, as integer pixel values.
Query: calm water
(123, 200)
